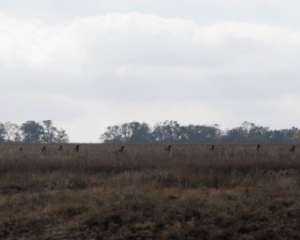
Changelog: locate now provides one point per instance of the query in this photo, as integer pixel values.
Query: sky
(94, 63)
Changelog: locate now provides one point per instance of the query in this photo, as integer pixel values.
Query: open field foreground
(149, 192)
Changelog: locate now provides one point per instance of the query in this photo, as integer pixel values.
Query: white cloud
(131, 66)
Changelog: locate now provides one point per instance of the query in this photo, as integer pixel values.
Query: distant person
(77, 148)
(169, 148)
(293, 149)
(122, 149)
(258, 148)
(44, 149)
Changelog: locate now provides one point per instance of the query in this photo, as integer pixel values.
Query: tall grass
(146, 192)
(101, 157)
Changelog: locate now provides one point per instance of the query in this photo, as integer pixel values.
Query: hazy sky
(89, 64)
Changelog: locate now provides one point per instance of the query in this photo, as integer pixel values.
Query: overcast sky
(93, 63)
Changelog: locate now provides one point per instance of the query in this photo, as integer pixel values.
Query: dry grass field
(149, 192)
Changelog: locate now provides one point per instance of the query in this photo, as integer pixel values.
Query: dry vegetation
(147, 192)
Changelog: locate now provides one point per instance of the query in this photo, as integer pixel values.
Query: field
(149, 192)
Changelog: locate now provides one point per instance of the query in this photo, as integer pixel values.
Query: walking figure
(60, 148)
(44, 149)
(20, 149)
(258, 148)
(212, 148)
(122, 149)
(169, 148)
(293, 149)
(77, 148)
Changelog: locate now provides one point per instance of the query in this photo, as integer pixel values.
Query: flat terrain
(149, 192)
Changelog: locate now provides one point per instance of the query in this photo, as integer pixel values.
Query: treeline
(141, 133)
(173, 132)
(32, 132)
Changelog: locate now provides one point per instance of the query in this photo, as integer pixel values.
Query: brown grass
(148, 193)
(96, 157)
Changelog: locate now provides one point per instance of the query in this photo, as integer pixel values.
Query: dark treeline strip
(174, 133)
(32, 132)
(168, 132)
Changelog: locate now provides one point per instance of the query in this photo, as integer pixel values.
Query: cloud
(121, 66)
(203, 11)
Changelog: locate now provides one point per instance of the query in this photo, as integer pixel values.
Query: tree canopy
(173, 132)
(32, 132)
(167, 132)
